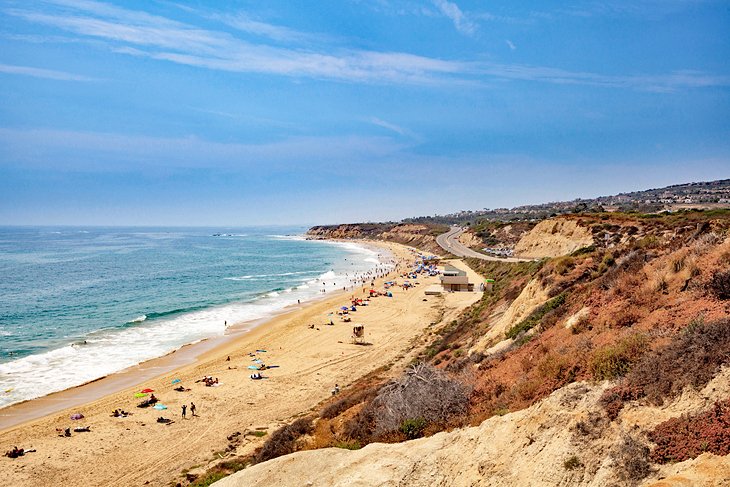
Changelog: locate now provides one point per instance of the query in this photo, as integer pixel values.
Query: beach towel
(159, 406)
(253, 367)
(140, 394)
(147, 390)
(175, 381)
(76, 416)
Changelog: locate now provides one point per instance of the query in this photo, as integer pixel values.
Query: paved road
(449, 241)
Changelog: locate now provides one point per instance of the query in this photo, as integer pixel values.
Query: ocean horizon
(79, 303)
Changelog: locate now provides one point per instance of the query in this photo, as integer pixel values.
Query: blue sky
(233, 113)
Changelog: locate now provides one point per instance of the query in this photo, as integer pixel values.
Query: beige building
(454, 279)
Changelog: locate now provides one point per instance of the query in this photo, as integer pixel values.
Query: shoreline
(17, 414)
(306, 361)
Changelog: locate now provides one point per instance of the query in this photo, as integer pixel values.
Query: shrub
(536, 316)
(572, 463)
(613, 399)
(348, 445)
(692, 358)
(422, 392)
(719, 284)
(283, 441)
(631, 460)
(413, 428)
(615, 360)
(686, 437)
(341, 405)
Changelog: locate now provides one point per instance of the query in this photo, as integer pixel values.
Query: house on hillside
(454, 279)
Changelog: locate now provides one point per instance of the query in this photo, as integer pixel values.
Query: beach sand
(137, 450)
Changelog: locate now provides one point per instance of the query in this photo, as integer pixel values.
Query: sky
(164, 112)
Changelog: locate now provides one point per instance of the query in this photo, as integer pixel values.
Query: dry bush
(631, 460)
(422, 392)
(590, 428)
(615, 360)
(719, 284)
(613, 399)
(343, 404)
(692, 358)
(283, 441)
(686, 437)
(625, 317)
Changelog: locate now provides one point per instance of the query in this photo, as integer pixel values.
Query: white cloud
(145, 35)
(42, 73)
(387, 125)
(510, 44)
(462, 23)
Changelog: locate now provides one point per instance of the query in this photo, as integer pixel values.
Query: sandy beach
(137, 450)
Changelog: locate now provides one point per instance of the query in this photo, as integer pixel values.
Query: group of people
(209, 381)
(150, 401)
(120, 413)
(185, 409)
(17, 452)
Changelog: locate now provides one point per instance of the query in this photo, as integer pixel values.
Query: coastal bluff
(421, 236)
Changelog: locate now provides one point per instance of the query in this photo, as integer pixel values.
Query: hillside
(606, 366)
(422, 236)
(698, 195)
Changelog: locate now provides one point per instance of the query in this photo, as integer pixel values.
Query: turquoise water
(80, 303)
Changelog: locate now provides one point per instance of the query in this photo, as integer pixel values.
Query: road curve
(449, 241)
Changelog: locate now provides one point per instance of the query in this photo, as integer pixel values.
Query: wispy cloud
(164, 39)
(461, 21)
(387, 125)
(245, 23)
(42, 73)
(67, 150)
(145, 35)
(510, 44)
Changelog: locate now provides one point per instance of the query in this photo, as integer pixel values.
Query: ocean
(77, 304)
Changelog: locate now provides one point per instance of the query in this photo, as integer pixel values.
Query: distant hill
(707, 195)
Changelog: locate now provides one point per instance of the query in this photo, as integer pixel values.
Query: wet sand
(137, 449)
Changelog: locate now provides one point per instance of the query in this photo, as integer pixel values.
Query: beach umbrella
(77, 416)
(140, 394)
(147, 390)
(175, 381)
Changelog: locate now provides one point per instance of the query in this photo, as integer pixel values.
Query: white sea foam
(107, 351)
(261, 277)
(288, 237)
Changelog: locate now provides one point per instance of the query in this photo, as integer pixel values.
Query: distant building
(454, 279)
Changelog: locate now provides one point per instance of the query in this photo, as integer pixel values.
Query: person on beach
(192, 408)
(184, 409)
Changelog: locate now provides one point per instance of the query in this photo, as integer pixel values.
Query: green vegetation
(348, 445)
(413, 428)
(536, 316)
(615, 360)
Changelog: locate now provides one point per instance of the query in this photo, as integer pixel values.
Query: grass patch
(536, 316)
(615, 360)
